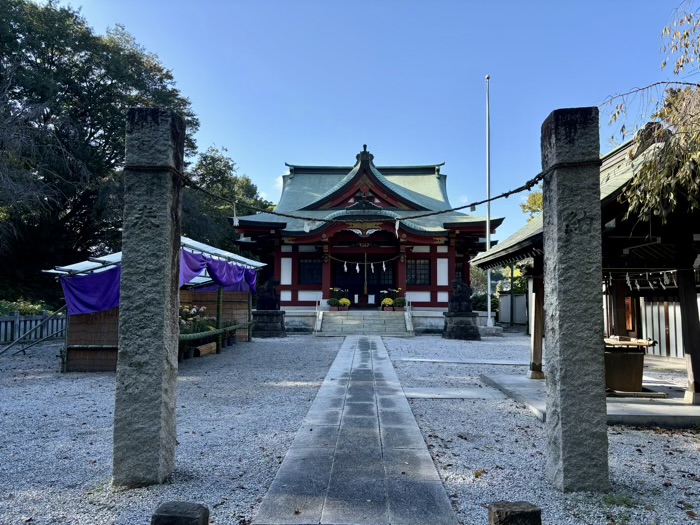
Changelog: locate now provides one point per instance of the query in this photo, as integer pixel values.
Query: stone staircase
(364, 322)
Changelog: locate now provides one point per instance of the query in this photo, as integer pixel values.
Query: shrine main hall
(364, 229)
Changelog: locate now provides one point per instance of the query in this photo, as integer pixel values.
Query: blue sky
(310, 81)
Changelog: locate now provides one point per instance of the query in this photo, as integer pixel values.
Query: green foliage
(64, 94)
(399, 302)
(338, 293)
(479, 302)
(478, 280)
(22, 306)
(619, 500)
(669, 175)
(334, 302)
(534, 204)
(519, 282)
(344, 302)
(206, 218)
(387, 301)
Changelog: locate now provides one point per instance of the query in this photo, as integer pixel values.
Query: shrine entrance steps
(364, 322)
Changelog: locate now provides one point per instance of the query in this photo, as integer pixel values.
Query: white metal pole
(489, 321)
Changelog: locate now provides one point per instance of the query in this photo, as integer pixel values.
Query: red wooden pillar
(326, 272)
(451, 261)
(401, 269)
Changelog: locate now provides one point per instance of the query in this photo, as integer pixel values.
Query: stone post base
(461, 326)
(269, 323)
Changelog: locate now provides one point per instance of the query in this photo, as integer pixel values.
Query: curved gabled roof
(307, 190)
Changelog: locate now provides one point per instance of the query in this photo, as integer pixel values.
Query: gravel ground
(488, 451)
(238, 413)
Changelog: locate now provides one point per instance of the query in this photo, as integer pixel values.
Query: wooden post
(619, 292)
(690, 328)
(535, 371)
(219, 315)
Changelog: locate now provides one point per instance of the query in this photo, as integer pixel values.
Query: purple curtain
(251, 277)
(97, 292)
(230, 276)
(191, 265)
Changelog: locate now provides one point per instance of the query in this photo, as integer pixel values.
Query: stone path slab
(454, 393)
(467, 361)
(669, 412)
(358, 457)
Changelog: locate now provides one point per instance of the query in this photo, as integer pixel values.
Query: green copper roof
(423, 186)
(617, 168)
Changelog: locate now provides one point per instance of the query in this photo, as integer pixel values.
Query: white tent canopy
(100, 264)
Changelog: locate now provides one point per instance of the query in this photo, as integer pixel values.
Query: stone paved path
(359, 456)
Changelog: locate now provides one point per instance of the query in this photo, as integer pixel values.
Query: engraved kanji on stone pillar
(144, 414)
(577, 436)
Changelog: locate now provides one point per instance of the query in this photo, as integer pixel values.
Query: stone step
(369, 332)
(363, 322)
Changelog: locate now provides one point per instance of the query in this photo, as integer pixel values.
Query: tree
(670, 175)
(534, 204)
(478, 280)
(206, 215)
(64, 94)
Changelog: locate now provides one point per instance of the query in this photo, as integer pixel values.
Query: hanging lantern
(345, 266)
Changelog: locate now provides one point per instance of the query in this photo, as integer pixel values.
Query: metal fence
(14, 326)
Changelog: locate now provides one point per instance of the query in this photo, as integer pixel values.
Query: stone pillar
(514, 513)
(144, 414)
(576, 423)
(180, 513)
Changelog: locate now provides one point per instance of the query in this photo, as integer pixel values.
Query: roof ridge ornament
(364, 155)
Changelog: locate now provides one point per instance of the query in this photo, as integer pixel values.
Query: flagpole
(489, 321)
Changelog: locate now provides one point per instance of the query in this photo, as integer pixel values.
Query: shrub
(333, 302)
(387, 301)
(399, 302)
(22, 306)
(344, 302)
(479, 302)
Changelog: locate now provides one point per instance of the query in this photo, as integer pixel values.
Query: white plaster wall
(442, 275)
(286, 271)
(310, 295)
(418, 297)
